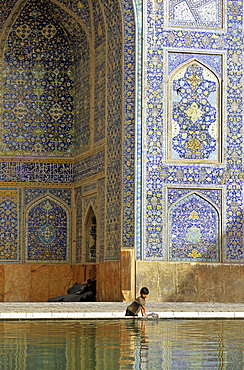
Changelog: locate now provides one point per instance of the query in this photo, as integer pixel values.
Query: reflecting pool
(122, 344)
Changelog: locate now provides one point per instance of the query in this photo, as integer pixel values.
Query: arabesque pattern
(9, 225)
(194, 230)
(47, 234)
(209, 35)
(195, 107)
(37, 104)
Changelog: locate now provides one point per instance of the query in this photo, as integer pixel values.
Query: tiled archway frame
(129, 27)
(128, 8)
(129, 141)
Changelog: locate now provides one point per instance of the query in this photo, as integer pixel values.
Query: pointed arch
(190, 61)
(119, 23)
(194, 229)
(20, 4)
(200, 195)
(47, 231)
(194, 114)
(43, 48)
(91, 235)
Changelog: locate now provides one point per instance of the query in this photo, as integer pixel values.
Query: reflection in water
(122, 344)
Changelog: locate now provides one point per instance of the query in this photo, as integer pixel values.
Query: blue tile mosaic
(87, 197)
(47, 231)
(6, 8)
(31, 172)
(100, 98)
(79, 219)
(131, 25)
(37, 103)
(194, 226)
(203, 14)
(213, 61)
(168, 49)
(138, 127)
(10, 225)
(213, 196)
(167, 37)
(89, 166)
(194, 113)
(32, 194)
(101, 207)
(72, 27)
(57, 204)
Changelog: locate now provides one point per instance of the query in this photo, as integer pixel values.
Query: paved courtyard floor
(116, 310)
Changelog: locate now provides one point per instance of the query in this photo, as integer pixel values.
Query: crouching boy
(138, 304)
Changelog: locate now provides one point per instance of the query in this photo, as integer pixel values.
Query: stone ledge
(116, 310)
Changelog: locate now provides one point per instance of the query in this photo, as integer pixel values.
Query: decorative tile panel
(100, 97)
(31, 172)
(194, 113)
(114, 129)
(31, 194)
(196, 13)
(89, 188)
(213, 196)
(37, 76)
(47, 232)
(6, 8)
(167, 52)
(213, 61)
(194, 223)
(81, 8)
(101, 228)
(10, 223)
(89, 166)
(131, 18)
(79, 218)
(54, 87)
(80, 39)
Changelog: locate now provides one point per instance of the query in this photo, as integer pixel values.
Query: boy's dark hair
(144, 290)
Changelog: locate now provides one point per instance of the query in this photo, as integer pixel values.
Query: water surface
(122, 344)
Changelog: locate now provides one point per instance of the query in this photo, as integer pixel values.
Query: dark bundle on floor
(78, 293)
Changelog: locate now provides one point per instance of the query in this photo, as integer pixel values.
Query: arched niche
(46, 80)
(194, 230)
(100, 38)
(194, 124)
(91, 235)
(47, 223)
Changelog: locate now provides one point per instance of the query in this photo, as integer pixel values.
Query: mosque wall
(192, 150)
(193, 110)
(191, 281)
(132, 129)
(38, 282)
(62, 117)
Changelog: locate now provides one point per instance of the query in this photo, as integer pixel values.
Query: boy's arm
(143, 310)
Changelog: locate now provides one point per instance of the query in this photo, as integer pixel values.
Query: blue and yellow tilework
(68, 118)
(190, 47)
(139, 105)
